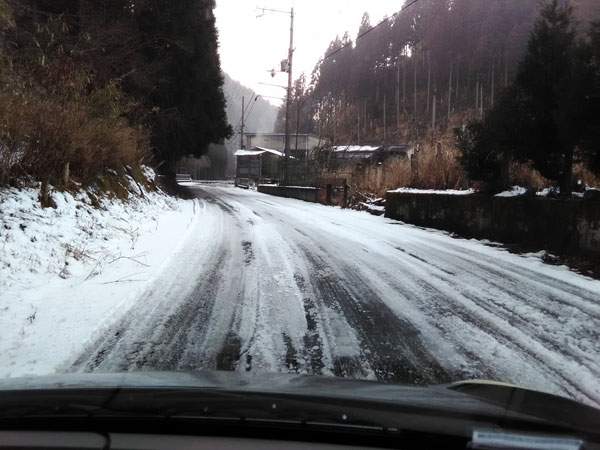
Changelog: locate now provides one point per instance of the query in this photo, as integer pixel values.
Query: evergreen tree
(186, 93)
(590, 143)
(487, 146)
(549, 112)
(549, 80)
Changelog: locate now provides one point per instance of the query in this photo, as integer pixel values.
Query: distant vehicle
(238, 410)
(183, 177)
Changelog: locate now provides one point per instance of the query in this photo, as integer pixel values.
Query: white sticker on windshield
(492, 439)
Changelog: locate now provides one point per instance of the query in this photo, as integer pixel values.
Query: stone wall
(308, 194)
(564, 226)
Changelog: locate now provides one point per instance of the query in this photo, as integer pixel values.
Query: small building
(366, 151)
(348, 155)
(353, 151)
(258, 165)
(300, 144)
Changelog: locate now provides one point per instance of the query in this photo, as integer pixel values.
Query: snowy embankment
(66, 274)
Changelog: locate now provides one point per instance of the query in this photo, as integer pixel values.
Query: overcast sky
(251, 46)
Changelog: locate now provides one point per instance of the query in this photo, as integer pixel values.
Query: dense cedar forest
(89, 87)
(432, 66)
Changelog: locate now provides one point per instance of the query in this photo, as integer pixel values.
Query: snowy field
(239, 280)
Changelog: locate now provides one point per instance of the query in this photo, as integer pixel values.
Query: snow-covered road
(273, 284)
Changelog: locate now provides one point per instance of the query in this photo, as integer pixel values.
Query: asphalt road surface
(273, 284)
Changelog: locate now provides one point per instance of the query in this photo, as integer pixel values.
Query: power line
(236, 129)
(240, 121)
(369, 30)
(251, 108)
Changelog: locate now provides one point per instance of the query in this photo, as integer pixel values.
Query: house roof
(401, 148)
(292, 135)
(257, 151)
(355, 148)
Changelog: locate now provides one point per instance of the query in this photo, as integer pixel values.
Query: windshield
(403, 192)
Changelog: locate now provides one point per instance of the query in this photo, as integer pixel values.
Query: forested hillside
(434, 66)
(451, 56)
(90, 87)
(259, 113)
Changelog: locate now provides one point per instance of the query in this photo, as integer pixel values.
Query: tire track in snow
(523, 304)
(391, 345)
(447, 298)
(312, 292)
(541, 292)
(153, 334)
(175, 324)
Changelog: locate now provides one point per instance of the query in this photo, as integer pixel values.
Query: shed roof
(355, 148)
(257, 151)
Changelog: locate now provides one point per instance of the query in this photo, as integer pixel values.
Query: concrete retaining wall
(564, 226)
(307, 194)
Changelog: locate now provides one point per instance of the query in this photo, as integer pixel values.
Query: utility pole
(242, 130)
(288, 102)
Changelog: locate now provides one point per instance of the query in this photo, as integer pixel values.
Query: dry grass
(437, 167)
(526, 176)
(583, 175)
(429, 168)
(55, 141)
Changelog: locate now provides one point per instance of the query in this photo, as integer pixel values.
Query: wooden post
(449, 92)
(481, 101)
(433, 117)
(384, 120)
(456, 93)
(416, 59)
(334, 125)
(492, 93)
(398, 97)
(404, 84)
(358, 122)
(365, 118)
(66, 174)
(477, 93)
(428, 78)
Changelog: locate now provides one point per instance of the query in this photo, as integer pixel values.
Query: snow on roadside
(67, 273)
(434, 191)
(513, 192)
(548, 191)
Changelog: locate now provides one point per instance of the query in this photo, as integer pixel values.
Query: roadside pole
(288, 102)
(242, 130)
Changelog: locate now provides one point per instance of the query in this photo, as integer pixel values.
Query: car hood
(301, 397)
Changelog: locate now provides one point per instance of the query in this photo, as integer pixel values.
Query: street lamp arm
(276, 85)
(272, 10)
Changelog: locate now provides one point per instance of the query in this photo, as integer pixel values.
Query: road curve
(273, 284)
